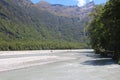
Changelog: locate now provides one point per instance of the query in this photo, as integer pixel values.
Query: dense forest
(104, 29)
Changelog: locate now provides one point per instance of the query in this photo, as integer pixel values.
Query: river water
(82, 65)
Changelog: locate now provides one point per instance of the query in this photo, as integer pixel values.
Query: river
(76, 65)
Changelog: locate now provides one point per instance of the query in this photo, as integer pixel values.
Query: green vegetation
(104, 29)
(25, 27)
(39, 45)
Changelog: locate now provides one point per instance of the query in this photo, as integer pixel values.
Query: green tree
(111, 20)
(95, 28)
(104, 29)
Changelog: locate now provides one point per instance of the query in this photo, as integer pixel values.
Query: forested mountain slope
(21, 20)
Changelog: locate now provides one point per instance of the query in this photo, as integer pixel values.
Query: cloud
(90, 0)
(81, 2)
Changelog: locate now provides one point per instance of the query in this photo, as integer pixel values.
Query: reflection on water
(85, 66)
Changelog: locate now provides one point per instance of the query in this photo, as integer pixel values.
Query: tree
(104, 29)
(111, 20)
(94, 29)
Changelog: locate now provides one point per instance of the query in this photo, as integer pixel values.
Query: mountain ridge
(68, 11)
(25, 22)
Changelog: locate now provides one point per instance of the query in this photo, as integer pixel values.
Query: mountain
(68, 11)
(23, 2)
(21, 21)
(75, 17)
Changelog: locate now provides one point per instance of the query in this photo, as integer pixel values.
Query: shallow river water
(82, 65)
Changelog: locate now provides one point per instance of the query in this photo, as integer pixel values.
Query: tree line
(104, 29)
(39, 45)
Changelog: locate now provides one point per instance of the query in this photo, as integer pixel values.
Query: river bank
(57, 65)
(10, 60)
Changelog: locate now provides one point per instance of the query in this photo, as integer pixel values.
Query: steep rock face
(67, 11)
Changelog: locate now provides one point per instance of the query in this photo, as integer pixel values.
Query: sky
(71, 2)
